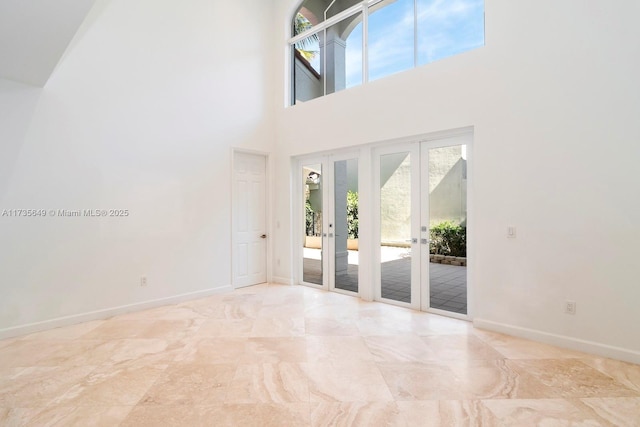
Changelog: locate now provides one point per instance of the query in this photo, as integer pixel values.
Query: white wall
(141, 114)
(554, 101)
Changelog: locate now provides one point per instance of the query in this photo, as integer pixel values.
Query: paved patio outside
(448, 283)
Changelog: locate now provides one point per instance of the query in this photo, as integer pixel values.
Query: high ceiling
(34, 35)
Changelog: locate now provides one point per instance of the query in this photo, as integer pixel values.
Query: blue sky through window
(444, 28)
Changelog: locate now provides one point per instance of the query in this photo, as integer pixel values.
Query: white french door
(420, 217)
(329, 223)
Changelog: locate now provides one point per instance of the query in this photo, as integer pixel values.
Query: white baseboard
(282, 280)
(571, 343)
(29, 328)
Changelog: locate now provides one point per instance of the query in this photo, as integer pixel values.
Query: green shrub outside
(352, 214)
(448, 238)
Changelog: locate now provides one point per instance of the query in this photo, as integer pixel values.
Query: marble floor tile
(288, 298)
(242, 310)
(460, 347)
(346, 382)
(266, 414)
(172, 330)
(209, 308)
(432, 324)
(112, 385)
(281, 311)
(380, 326)
(228, 415)
(618, 411)
(213, 350)
(338, 349)
(64, 416)
(115, 328)
(627, 374)
(269, 382)
(65, 333)
(438, 413)
(6, 342)
(148, 351)
(385, 311)
(95, 352)
(275, 350)
(226, 328)
(495, 379)
(173, 416)
(402, 348)
(39, 386)
(519, 348)
(331, 327)
(191, 384)
(328, 312)
(273, 355)
(25, 353)
(80, 353)
(422, 381)
(571, 378)
(14, 417)
(346, 414)
(278, 327)
(540, 412)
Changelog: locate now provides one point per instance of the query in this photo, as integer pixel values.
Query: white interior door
(249, 219)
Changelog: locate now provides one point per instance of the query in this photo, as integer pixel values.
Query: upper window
(332, 52)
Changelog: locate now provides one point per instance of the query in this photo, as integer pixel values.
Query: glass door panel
(395, 226)
(312, 269)
(447, 186)
(345, 222)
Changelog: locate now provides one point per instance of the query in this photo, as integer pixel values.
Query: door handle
(263, 236)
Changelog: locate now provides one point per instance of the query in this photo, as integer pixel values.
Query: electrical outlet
(570, 307)
(143, 281)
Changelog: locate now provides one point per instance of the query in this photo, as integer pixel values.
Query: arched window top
(332, 51)
(317, 11)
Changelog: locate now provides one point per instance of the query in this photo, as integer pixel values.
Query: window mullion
(323, 52)
(365, 45)
(415, 33)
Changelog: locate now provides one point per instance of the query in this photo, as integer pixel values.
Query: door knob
(264, 236)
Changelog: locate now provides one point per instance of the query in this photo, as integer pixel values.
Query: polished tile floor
(273, 355)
